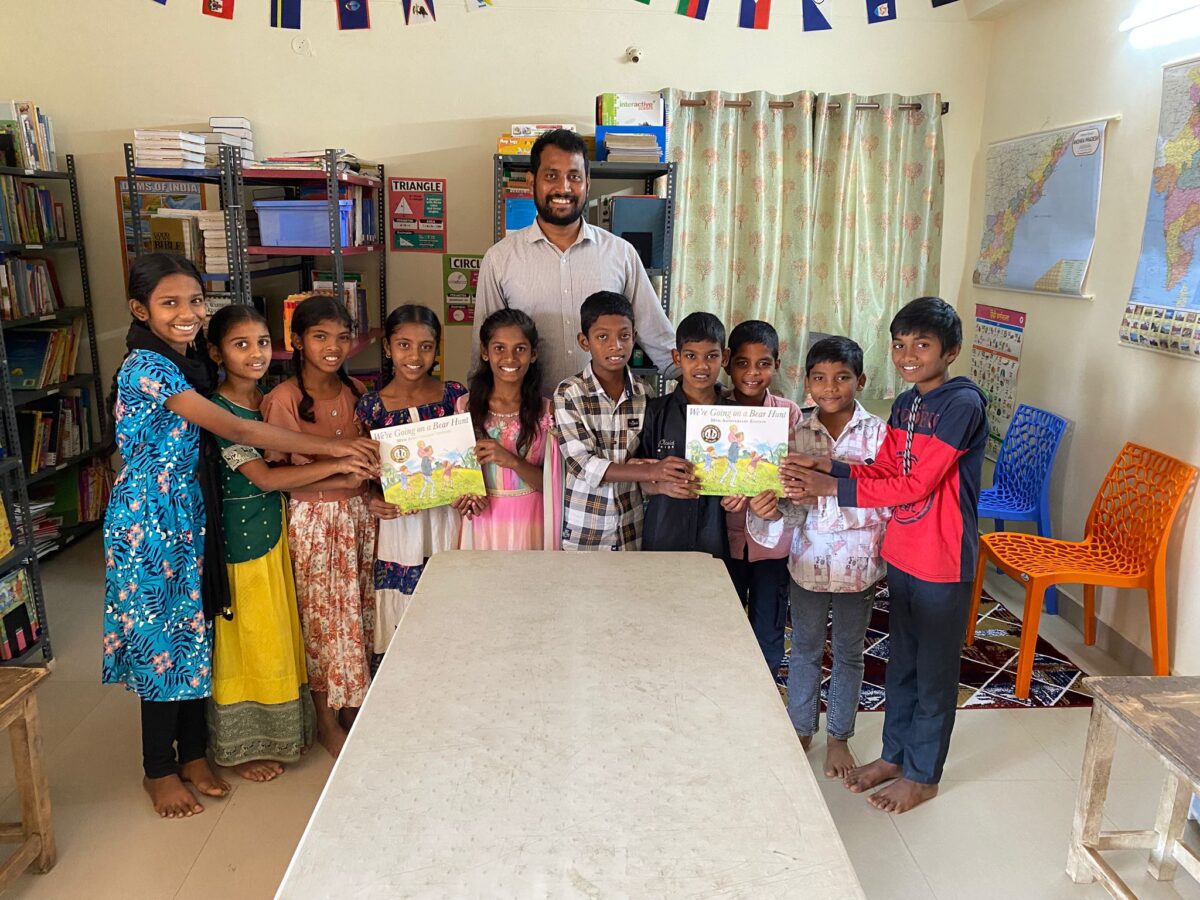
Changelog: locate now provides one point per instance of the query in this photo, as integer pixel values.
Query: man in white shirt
(548, 269)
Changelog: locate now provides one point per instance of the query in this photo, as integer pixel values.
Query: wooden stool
(19, 714)
(1163, 715)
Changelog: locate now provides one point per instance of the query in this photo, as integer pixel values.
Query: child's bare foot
(902, 795)
(259, 770)
(332, 739)
(838, 758)
(863, 778)
(199, 773)
(171, 798)
(805, 741)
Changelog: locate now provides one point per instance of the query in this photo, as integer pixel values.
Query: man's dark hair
(563, 140)
(700, 326)
(754, 332)
(603, 303)
(835, 350)
(932, 316)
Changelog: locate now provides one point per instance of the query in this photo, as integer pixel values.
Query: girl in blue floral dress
(158, 530)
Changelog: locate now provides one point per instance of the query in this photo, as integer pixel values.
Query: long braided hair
(483, 380)
(310, 313)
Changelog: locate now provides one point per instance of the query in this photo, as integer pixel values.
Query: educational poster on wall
(995, 361)
(1041, 200)
(418, 214)
(153, 195)
(737, 449)
(1165, 298)
(429, 463)
(460, 278)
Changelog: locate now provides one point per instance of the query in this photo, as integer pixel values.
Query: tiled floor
(998, 830)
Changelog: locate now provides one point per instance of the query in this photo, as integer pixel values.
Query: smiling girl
(414, 336)
(513, 422)
(330, 531)
(164, 565)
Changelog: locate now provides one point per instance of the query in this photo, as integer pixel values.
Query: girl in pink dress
(519, 457)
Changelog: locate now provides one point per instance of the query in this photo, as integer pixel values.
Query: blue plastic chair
(1020, 490)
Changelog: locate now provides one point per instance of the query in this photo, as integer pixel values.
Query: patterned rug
(987, 679)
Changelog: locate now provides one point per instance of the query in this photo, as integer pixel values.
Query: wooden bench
(1163, 715)
(35, 834)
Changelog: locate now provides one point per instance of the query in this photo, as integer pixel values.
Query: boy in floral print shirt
(834, 559)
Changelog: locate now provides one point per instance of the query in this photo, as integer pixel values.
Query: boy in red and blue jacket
(928, 470)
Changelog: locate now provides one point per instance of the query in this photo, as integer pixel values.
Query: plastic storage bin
(299, 223)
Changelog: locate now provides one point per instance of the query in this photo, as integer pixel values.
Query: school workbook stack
(155, 149)
(28, 287)
(229, 131)
(26, 136)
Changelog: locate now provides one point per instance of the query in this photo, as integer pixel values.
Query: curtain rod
(788, 104)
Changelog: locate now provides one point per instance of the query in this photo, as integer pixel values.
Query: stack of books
(46, 526)
(26, 136)
(19, 627)
(633, 148)
(233, 131)
(177, 231)
(354, 296)
(93, 488)
(41, 357)
(307, 160)
(216, 247)
(28, 287)
(168, 149)
(29, 214)
(56, 429)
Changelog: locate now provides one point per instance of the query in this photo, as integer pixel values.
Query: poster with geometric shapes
(995, 361)
(1040, 206)
(1165, 300)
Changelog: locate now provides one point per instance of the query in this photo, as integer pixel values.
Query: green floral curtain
(814, 217)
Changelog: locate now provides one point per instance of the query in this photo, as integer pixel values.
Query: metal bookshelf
(232, 177)
(15, 480)
(648, 173)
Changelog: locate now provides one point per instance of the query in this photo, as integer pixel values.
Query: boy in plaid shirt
(598, 415)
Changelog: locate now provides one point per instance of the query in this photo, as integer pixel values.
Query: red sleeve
(887, 458)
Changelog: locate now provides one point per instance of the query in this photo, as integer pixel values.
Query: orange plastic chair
(1124, 545)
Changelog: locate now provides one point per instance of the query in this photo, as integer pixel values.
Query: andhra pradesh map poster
(1163, 312)
(737, 449)
(1041, 202)
(995, 361)
(429, 463)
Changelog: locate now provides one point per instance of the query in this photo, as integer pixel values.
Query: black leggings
(168, 725)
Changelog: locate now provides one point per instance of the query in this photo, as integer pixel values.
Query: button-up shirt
(594, 431)
(526, 271)
(834, 548)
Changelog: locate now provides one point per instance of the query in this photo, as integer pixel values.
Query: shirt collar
(632, 387)
(534, 233)
(860, 415)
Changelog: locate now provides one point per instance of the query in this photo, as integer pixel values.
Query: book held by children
(429, 463)
(737, 449)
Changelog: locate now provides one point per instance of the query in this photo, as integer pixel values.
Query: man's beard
(547, 214)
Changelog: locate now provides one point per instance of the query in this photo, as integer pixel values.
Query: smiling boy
(928, 470)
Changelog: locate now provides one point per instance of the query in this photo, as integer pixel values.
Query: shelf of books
(291, 214)
(54, 444)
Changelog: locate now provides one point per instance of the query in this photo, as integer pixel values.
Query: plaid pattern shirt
(593, 431)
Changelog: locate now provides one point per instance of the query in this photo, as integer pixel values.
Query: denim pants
(928, 621)
(762, 586)
(810, 615)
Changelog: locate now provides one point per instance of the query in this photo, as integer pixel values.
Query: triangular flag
(419, 12)
(353, 14)
(880, 12)
(814, 19)
(695, 9)
(476, 5)
(285, 13)
(163, 2)
(647, 2)
(220, 9)
(937, 3)
(755, 14)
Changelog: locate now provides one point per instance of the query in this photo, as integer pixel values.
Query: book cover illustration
(737, 449)
(429, 463)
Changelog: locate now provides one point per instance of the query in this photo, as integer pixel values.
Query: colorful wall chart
(1163, 311)
(417, 209)
(995, 361)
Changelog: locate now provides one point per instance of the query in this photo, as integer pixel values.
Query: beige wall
(429, 101)
(1056, 64)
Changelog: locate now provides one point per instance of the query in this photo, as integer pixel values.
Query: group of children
(254, 568)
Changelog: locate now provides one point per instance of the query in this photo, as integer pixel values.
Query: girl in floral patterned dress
(331, 535)
(521, 466)
(158, 528)
(413, 334)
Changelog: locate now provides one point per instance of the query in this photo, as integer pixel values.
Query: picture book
(737, 449)
(429, 463)
(19, 628)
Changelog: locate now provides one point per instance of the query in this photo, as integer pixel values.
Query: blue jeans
(927, 621)
(762, 586)
(810, 615)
